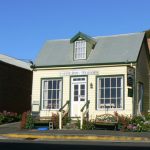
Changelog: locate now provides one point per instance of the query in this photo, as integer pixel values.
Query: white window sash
(80, 50)
(51, 101)
(100, 98)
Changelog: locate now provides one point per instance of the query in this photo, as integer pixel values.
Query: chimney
(148, 38)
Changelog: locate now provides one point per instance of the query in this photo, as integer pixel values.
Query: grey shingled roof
(15, 62)
(108, 49)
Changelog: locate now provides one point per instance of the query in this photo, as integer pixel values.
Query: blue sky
(26, 24)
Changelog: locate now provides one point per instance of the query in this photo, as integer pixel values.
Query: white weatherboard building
(94, 75)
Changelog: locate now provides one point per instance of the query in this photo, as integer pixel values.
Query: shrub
(23, 120)
(1, 118)
(147, 116)
(29, 121)
(87, 125)
(140, 123)
(55, 120)
(135, 123)
(66, 119)
(123, 122)
(78, 124)
(8, 117)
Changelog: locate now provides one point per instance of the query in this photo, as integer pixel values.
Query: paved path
(13, 131)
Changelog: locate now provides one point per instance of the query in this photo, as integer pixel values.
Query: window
(51, 93)
(110, 92)
(80, 50)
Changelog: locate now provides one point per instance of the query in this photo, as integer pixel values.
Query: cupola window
(79, 50)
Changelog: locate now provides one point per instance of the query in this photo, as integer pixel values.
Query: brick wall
(15, 88)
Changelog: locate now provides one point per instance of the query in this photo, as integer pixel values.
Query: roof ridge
(55, 40)
(14, 61)
(98, 36)
(116, 35)
(13, 58)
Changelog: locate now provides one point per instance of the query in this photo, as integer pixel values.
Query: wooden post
(81, 121)
(60, 120)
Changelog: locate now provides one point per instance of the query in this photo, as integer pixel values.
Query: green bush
(8, 117)
(1, 118)
(142, 123)
(87, 125)
(139, 123)
(29, 121)
(147, 117)
(66, 119)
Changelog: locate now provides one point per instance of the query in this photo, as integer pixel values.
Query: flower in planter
(134, 128)
(130, 127)
(147, 122)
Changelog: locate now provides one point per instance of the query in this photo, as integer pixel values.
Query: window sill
(109, 109)
(49, 109)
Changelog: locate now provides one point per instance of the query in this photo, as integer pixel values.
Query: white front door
(78, 95)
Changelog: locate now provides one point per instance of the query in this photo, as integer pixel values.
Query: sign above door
(79, 72)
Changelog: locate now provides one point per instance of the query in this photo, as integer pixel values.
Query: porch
(59, 115)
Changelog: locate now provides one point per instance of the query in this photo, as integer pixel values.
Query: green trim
(90, 64)
(70, 88)
(70, 96)
(114, 75)
(49, 78)
(134, 94)
(83, 36)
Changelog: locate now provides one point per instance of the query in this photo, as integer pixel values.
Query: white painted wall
(120, 70)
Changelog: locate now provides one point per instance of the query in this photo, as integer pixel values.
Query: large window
(110, 92)
(51, 93)
(80, 50)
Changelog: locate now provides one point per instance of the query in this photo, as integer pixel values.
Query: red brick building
(15, 85)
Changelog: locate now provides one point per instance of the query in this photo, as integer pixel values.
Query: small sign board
(79, 72)
(35, 106)
(130, 76)
(130, 92)
(35, 102)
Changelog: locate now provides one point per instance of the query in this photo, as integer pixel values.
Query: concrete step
(73, 124)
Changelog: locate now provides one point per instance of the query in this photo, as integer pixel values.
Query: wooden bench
(106, 120)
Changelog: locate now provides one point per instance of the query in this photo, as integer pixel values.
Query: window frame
(98, 88)
(42, 93)
(78, 52)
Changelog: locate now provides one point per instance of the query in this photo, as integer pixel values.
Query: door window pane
(75, 98)
(75, 92)
(75, 87)
(82, 99)
(82, 92)
(82, 86)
